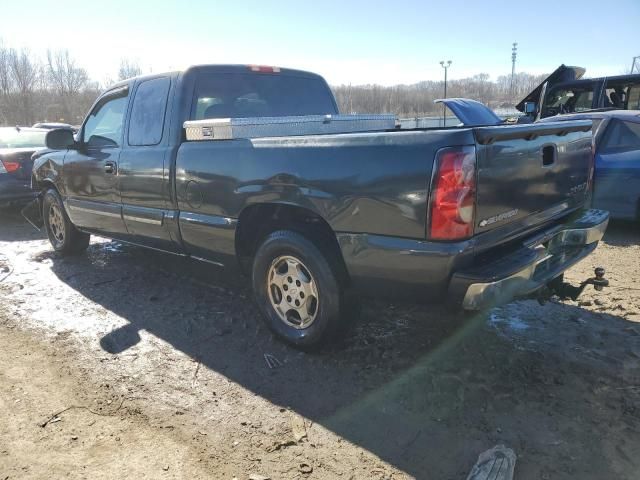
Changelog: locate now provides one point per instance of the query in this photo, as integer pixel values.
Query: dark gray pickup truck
(470, 216)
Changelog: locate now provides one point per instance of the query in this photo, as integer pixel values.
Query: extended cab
(472, 216)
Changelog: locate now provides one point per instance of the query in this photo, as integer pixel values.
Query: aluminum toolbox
(230, 128)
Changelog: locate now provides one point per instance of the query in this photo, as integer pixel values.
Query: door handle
(110, 167)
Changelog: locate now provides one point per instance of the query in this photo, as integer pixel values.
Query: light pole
(444, 106)
(514, 54)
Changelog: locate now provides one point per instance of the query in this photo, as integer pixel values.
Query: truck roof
(225, 68)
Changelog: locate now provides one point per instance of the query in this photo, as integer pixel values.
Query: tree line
(418, 99)
(56, 89)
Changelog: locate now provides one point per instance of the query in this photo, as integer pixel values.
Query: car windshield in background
(13, 138)
(236, 95)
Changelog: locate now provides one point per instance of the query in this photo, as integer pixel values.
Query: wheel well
(42, 185)
(256, 222)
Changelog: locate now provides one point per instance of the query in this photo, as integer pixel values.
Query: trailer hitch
(566, 291)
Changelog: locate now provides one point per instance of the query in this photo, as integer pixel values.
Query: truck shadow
(14, 228)
(422, 389)
(622, 233)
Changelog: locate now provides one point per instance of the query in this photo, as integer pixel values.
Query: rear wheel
(63, 235)
(298, 289)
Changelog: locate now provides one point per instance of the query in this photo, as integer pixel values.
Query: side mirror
(59, 139)
(529, 107)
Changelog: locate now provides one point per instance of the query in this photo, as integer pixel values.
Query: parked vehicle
(473, 216)
(565, 91)
(53, 125)
(616, 185)
(17, 144)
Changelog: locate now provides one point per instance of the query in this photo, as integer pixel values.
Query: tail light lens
(8, 166)
(453, 194)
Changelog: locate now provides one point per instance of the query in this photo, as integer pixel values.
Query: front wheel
(63, 235)
(298, 289)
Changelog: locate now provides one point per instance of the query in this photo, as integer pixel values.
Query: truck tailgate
(525, 170)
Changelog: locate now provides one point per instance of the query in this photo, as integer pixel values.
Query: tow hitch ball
(567, 291)
(598, 282)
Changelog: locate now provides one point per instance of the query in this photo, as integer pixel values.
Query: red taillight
(453, 194)
(263, 69)
(10, 166)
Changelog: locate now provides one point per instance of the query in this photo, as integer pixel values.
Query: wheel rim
(292, 292)
(56, 223)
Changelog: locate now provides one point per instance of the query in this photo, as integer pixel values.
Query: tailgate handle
(549, 154)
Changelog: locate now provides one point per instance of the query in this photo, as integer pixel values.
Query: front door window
(104, 125)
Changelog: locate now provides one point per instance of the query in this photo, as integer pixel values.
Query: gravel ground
(126, 363)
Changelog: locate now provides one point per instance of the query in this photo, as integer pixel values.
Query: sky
(348, 42)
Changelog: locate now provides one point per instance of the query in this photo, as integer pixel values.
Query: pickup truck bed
(474, 216)
(388, 176)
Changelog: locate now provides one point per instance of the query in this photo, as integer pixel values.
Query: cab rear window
(233, 95)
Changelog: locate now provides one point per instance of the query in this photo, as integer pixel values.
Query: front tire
(298, 289)
(63, 235)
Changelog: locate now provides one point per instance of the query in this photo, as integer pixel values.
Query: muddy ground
(125, 363)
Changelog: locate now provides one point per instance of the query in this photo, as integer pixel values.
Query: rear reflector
(7, 166)
(453, 194)
(263, 69)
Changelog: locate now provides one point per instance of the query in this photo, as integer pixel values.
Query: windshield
(13, 138)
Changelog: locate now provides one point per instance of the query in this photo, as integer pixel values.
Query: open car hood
(559, 75)
(470, 112)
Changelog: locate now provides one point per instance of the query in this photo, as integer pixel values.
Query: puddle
(511, 322)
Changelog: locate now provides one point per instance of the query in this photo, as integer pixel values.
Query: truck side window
(103, 127)
(569, 100)
(633, 102)
(147, 114)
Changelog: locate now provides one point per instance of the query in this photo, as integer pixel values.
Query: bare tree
(66, 79)
(25, 73)
(6, 82)
(128, 69)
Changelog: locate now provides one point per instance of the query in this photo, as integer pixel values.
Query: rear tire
(65, 238)
(299, 290)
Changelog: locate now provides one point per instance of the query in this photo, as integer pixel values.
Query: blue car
(616, 185)
(17, 145)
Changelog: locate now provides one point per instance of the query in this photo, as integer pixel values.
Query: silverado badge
(498, 218)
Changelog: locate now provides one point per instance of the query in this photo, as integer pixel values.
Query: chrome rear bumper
(541, 260)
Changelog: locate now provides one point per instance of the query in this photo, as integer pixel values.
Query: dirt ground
(126, 363)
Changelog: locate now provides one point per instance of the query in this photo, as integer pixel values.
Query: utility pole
(444, 107)
(514, 54)
(635, 65)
